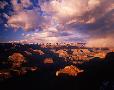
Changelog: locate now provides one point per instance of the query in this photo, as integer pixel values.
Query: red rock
(69, 70)
(39, 52)
(16, 59)
(48, 61)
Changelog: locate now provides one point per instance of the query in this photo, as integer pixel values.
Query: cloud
(66, 20)
(97, 24)
(100, 42)
(101, 32)
(60, 12)
(65, 11)
(20, 6)
(41, 37)
(26, 3)
(52, 37)
(3, 4)
(27, 20)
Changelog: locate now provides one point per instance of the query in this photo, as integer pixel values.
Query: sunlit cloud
(64, 20)
(27, 20)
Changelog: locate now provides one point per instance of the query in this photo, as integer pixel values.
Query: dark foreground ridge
(41, 75)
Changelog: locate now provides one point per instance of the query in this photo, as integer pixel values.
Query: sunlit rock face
(48, 61)
(80, 51)
(62, 53)
(26, 53)
(39, 52)
(85, 51)
(100, 54)
(17, 59)
(76, 52)
(79, 57)
(80, 54)
(69, 70)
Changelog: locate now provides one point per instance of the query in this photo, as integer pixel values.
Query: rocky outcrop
(48, 61)
(62, 53)
(16, 59)
(69, 70)
(39, 52)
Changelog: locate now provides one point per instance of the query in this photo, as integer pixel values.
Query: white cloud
(28, 20)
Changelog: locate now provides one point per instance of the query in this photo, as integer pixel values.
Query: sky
(51, 21)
